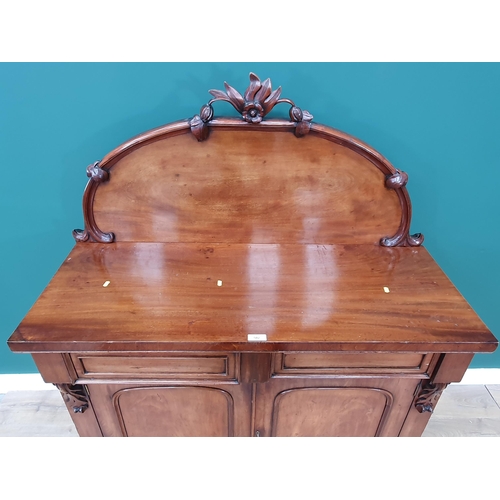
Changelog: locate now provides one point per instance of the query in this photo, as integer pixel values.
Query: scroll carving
(254, 105)
(74, 396)
(397, 180)
(258, 100)
(91, 232)
(402, 238)
(428, 396)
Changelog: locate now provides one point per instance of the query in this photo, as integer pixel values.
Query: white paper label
(257, 337)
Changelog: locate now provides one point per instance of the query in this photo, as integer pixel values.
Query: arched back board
(247, 180)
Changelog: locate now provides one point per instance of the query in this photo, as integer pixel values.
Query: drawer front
(300, 363)
(176, 366)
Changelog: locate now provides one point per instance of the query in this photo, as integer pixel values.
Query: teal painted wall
(438, 122)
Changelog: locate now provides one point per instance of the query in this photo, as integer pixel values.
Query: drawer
(168, 366)
(295, 363)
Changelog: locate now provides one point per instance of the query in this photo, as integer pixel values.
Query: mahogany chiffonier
(249, 277)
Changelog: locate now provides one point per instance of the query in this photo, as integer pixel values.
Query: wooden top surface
(303, 297)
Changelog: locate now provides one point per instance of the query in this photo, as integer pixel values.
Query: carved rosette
(91, 232)
(428, 396)
(258, 100)
(74, 396)
(402, 238)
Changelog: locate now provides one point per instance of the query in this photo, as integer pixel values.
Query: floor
(463, 410)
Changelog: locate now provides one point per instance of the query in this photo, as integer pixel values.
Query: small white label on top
(257, 337)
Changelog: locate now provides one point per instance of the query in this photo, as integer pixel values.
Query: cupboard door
(172, 410)
(356, 407)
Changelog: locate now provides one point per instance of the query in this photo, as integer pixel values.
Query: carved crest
(253, 105)
(257, 101)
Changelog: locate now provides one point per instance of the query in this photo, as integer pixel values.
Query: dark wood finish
(258, 100)
(255, 367)
(172, 366)
(325, 363)
(251, 193)
(451, 368)
(427, 396)
(358, 407)
(340, 171)
(181, 410)
(75, 397)
(91, 231)
(256, 103)
(249, 277)
(55, 368)
(80, 409)
(164, 297)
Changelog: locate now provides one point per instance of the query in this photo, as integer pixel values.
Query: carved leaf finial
(258, 100)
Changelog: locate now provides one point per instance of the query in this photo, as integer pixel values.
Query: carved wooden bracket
(91, 232)
(427, 397)
(402, 238)
(74, 396)
(258, 100)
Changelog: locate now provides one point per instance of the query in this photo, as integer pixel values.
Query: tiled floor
(463, 410)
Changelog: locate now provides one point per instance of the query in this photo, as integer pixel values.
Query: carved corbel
(402, 238)
(91, 232)
(428, 396)
(74, 396)
(259, 99)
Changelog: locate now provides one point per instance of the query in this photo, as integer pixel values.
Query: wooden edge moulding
(254, 105)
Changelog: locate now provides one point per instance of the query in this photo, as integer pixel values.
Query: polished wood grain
(463, 411)
(175, 411)
(174, 366)
(344, 160)
(240, 187)
(55, 368)
(452, 367)
(255, 367)
(303, 297)
(317, 412)
(325, 363)
(179, 410)
(356, 407)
